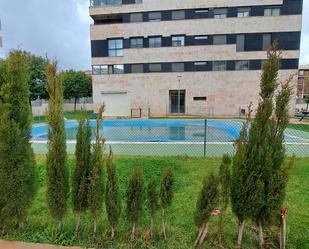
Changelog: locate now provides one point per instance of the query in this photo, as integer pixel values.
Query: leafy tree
(57, 174)
(80, 176)
(96, 179)
(153, 201)
(18, 174)
(166, 195)
(224, 188)
(112, 195)
(206, 203)
(76, 85)
(135, 199)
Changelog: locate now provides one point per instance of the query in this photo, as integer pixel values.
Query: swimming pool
(157, 131)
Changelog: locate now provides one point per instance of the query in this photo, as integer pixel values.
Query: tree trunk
(75, 101)
(203, 236)
(241, 233)
(151, 227)
(113, 233)
(282, 233)
(219, 233)
(261, 234)
(94, 226)
(77, 222)
(163, 223)
(133, 231)
(199, 235)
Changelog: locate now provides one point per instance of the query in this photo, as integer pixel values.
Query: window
(155, 67)
(243, 12)
(199, 98)
(301, 73)
(273, 11)
(201, 37)
(178, 67)
(136, 17)
(178, 41)
(154, 16)
(104, 69)
(118, 69)
(136, 42)
(96, 69)
(201, 11)
(115, 47)
(200, 63)
(178, 14)
(220, 13)
(242, 65)
(219, 66)
(266, 41)
(240, 43)
(219, 39)
(155, 42)
(137, 68)
(138, 1)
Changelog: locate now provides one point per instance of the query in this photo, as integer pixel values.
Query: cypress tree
(18, 175)
(96, 179)
(57, 174)
(153, 200)
(205, 205)
(80, 176)
(135, 199)
(112, 195)
(224, 189)
(166, 195)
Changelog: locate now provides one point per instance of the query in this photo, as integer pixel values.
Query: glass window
(115, 47)
(155, 42)
(219, 66)
(243, 12)
(104, 69)
(110, 69)
(118, 69)
(242, 65)
(178, 67)
(201, 37)
(240, 43)
(220, 13)
(200, 63)
(199, 98)
(137, 68)
(154, 16)
(96, 69)
(155, 67)
(219, 39)
(178, 41)
(272, 11)
(201, 11)
(301, 72)
(137, 42)
(138, 1)
(136, 17)
(178, 14)
(266, 41)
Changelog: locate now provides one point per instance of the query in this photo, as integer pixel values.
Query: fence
(193, 137)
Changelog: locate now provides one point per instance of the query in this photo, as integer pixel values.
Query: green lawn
(182, 231)
(67, 115)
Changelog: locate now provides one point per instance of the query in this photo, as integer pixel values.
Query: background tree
(153, 202)
(166, 195)
(81, 170)
(96, 179)
(57, 174)
(224, 189)
(76, 85)
(112, 195)
(206, 203)
(18, 174)
(135, 199)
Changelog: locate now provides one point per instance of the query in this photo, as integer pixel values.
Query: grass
(67, 115)
(300, 127)
(182, 231)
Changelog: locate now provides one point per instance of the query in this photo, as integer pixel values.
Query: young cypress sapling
(153, 200)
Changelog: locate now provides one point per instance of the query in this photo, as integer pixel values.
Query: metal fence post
(205, 137)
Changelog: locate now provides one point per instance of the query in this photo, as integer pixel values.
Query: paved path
(21, 245)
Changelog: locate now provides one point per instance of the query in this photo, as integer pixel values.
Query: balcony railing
(103, 3)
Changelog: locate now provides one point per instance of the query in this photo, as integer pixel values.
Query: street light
(179, 78)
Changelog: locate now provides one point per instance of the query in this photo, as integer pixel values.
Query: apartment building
(303, 82)
(196, 57)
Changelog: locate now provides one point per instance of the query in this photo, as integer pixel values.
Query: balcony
(104, 3)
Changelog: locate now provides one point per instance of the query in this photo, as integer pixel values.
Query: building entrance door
(177, 101)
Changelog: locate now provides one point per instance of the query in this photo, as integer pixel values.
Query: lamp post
(179, 78)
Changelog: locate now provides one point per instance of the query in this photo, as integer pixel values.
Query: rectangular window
(137, 68)
(156, 67)
(115, 47)
(199, 98)
(138, 1)
(220, 13)
(178, 41)
(272, 11)
(155, 42)
(136, 17)
(110, 69)
(104, 69)
(243, 12)
(118, 69)
(201, 37)
(219, 39)
(219, 66)
(201, 11)
(136, 42)
(178, 14)
(266, 41)
(154, 16)
(242, 65)
(200, 63)
(178, 67)
(240, 43)
(96, 69)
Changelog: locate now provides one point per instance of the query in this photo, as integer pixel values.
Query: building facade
(199, 57)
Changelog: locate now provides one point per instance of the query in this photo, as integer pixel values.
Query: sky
(60, 29)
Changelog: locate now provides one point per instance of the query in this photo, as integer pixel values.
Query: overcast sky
(60, 28)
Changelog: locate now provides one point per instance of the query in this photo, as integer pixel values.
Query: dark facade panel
(127, 68)
(231, 39)
(166, 67)
(289, 64)
(255, 64)
(230, 65)
(287, 40)
(126, 17)
(257, 11)
(232, 12)
(166, 41)
(99, 48)
(128, 1)
(166, 15)
(292, 7)
(253, 42)
(126, 43)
